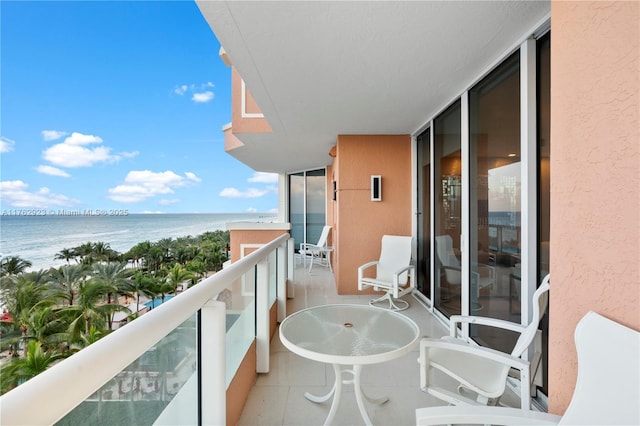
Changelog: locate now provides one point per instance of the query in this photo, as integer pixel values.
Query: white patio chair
(319, 252)
(607, 391)
(483, 276)
(395, 273)
(482, 372)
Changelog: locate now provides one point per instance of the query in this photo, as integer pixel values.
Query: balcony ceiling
(320, 69)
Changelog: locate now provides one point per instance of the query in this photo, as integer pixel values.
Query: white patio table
(348, 336)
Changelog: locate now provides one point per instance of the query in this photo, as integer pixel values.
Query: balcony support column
(291, 265)
(213, 397)
(262, 317)
(281, 273)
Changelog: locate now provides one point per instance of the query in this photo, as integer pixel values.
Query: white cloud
(75, 151)
(6, 144)
(193, 177)
(262, 177)
(140, 185)
(251, 210)
(52, 135)
(80, 139)
(15, 193)
(181, 90)
(202, 97)
(200, 93)
(52, 171)
(249, 193)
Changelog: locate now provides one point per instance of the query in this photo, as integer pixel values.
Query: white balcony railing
(160, 367)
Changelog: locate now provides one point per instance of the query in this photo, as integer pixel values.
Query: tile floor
(278, 396)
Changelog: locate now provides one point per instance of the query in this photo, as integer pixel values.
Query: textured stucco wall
(360, 221)
(595, 175)
(240, 124)
(251, 236)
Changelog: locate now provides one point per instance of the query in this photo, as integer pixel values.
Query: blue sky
(118, 105)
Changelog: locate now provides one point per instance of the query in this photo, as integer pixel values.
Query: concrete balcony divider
(50, 396)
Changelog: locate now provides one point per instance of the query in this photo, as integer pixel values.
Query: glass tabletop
(349, 334)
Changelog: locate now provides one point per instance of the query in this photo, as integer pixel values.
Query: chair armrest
(479, 351)
(491, 322)
(462, 414)
(453, 268)
(491, 269)
(403, 269)
(367, 265)
(307, 246)
(361, 270)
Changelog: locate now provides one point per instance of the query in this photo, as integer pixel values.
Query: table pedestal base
(336, 392)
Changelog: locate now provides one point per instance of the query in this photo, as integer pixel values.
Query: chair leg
(393, 303)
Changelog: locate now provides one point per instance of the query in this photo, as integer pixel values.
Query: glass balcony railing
(159, 368)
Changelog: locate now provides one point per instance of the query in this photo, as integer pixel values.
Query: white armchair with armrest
(319, 252)
(395, 272)
(607, 391)
(481, 372)
(482, 275)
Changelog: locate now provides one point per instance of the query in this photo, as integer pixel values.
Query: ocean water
(39, 238)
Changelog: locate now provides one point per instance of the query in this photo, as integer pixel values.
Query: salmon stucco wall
(360, 222)
(245, 124)
(238, 237)
(595, 176)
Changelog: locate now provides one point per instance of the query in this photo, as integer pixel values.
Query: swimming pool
(157, 301)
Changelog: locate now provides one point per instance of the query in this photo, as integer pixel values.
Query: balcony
(119, 380)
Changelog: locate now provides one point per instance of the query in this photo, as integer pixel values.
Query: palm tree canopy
(19, 370)
(13, 265)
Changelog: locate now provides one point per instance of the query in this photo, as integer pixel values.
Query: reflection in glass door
(448, 211)
(495, 200)
(307, 205)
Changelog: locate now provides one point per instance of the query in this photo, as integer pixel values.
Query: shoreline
(40, 239)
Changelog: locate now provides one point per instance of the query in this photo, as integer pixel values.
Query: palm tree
(154, 258)
(177, 275)
(67, 278)
(46, 326)
(19, 370)
(139, 252)
(90, 309)
(198, 270)
(162, 288)
(88, 338)
(85, 253)
(115, 277)
(13, 265)
(102, 252)
(141, 284)
(26, 297)
(213, 256)
(65, 254)
(165, 245)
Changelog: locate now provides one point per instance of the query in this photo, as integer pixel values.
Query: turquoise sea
(39, 238)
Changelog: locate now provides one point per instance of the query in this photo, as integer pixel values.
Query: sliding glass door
(483, 185)
(307, 205)
(447, 188)
(495, 201)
